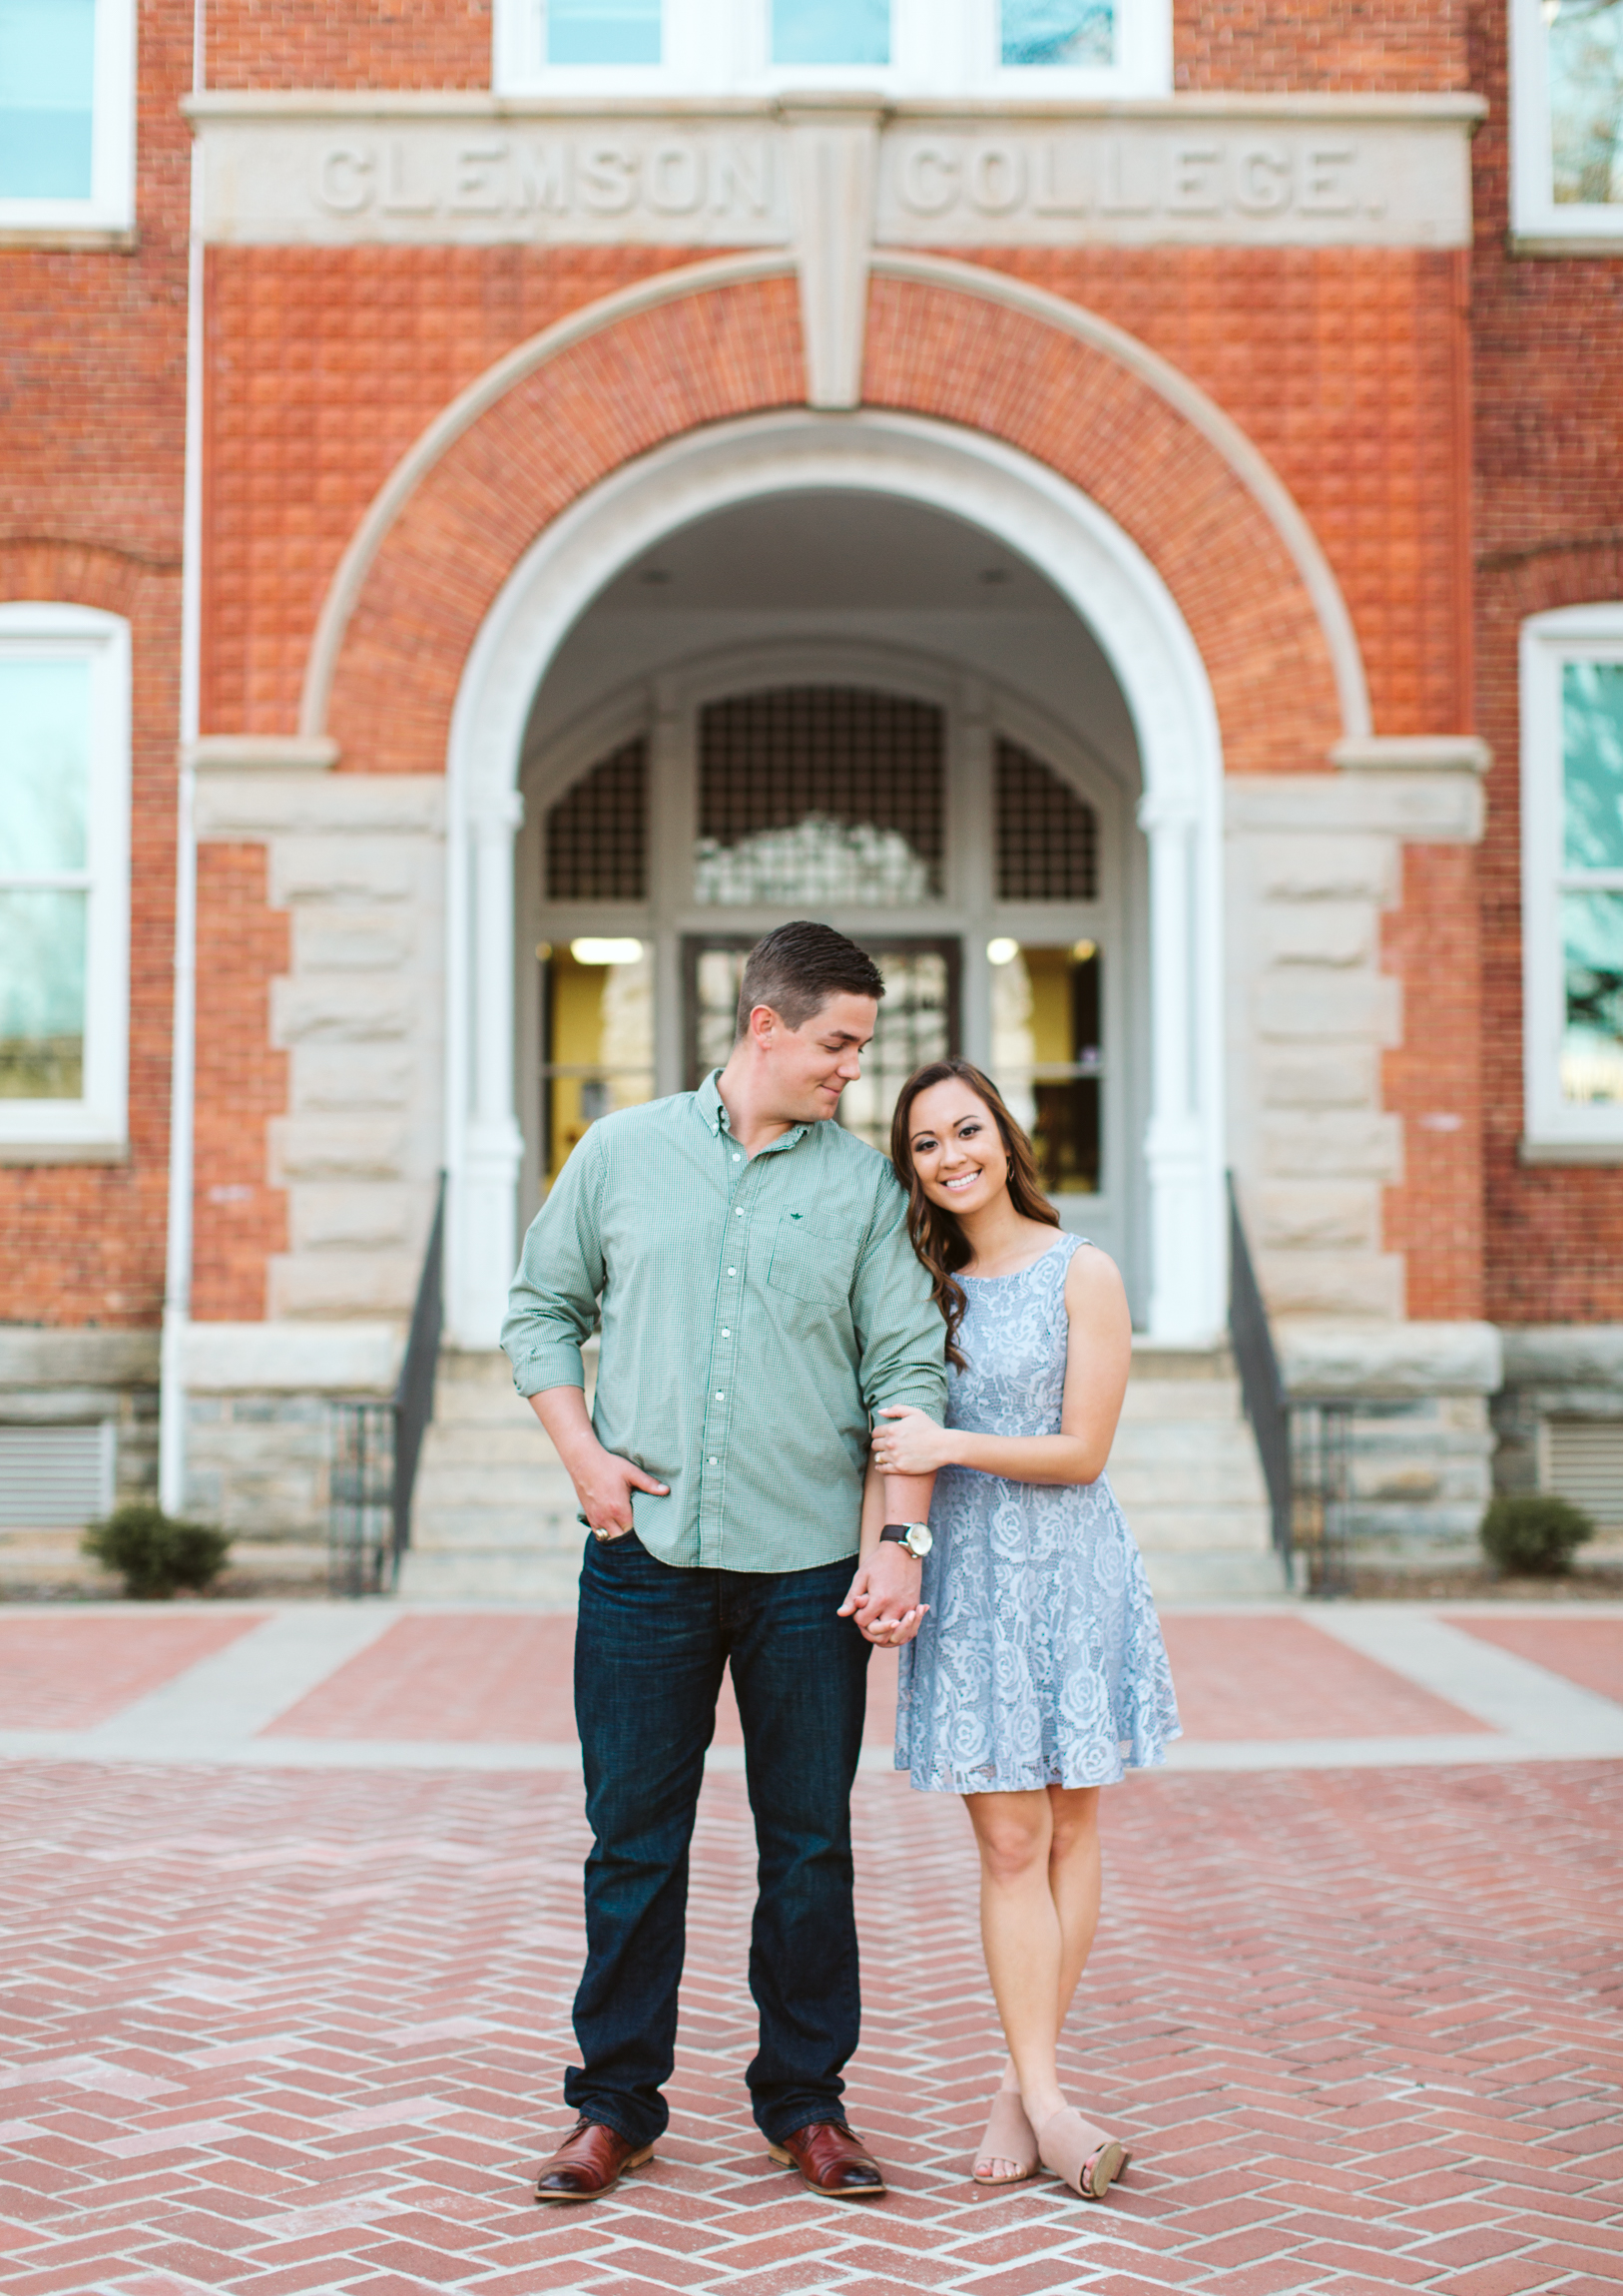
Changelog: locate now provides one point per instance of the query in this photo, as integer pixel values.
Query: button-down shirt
(755, 1312)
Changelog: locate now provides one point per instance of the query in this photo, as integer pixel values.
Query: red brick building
(1119, 507)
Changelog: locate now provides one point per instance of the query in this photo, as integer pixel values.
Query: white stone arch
(1087, 557)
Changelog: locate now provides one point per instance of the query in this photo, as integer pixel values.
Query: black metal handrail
(376, 1446)
(414, 1391)
(1262, 1390)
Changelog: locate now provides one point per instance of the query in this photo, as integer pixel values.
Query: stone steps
(494, 1513)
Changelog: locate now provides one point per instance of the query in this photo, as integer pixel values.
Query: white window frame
(1538, 224)
(938, 48)
(97, 1122)
(111, 205)
(1548, 642)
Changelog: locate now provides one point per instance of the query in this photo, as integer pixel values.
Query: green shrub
(1534, 1535)
(155, 1554)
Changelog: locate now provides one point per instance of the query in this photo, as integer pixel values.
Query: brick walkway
(279, 2029)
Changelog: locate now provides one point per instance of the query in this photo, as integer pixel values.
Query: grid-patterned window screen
(830, 792)
(597, 833)
(1047, 839)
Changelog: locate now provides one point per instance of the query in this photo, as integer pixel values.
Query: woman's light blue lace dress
(1041, 1661)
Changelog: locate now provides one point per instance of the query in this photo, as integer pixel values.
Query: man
(759, 1301)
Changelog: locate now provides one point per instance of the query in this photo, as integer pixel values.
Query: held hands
(883, 1596)
(912, 1444)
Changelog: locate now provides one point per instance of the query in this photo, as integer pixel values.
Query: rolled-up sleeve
(898, 1326)
(553, 1302)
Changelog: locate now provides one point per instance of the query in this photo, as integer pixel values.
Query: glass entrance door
(918, 1017)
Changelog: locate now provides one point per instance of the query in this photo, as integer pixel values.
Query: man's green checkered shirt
(757, 1311)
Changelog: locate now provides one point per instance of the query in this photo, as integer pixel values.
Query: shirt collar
(713, 1108)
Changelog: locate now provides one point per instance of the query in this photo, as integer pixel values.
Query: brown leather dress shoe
(589, 2162)
(832, 2160)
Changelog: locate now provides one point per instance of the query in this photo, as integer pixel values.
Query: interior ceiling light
(591, 951)
(1002, 951)
(1083, 950)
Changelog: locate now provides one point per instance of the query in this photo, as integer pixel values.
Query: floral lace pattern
(1041, 1662)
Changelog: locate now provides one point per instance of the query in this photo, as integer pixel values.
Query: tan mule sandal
(1080, 2155)
(1009, 2136)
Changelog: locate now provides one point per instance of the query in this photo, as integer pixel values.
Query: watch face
(919, 1541)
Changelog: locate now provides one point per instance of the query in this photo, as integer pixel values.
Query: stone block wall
(1315, 873)
(350, 994)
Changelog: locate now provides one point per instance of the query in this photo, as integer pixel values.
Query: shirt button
(727, 1335)
(738, 1212)
(712, 1463)
(735, 1157)
(732, 1270)
(721, 1396)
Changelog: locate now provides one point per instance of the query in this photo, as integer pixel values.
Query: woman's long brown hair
(936, 1236)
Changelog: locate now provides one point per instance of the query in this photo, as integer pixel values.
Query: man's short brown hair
(799, 967)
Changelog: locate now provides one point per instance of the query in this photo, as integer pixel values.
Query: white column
(492, 1147)
(1186, 1238)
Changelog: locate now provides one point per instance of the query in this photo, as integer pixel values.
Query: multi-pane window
(830, 31)
(65, 110)
(64, 813)
(603, 31)
(1584, 44)
(1567, 118)
(1591, 1061)
(1572, 835)
(820, 795)
(898, 47)
(1067, 33)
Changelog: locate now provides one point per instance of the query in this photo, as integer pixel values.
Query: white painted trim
(1398, 109)
(111, 205)
(1571, 633)
(463, 411)
(1248, 464)
(1415, 753)
(98, 1120)
(1539, 225)
(1032, 511)
(260, 752)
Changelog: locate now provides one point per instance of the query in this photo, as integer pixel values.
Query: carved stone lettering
(1211, 174)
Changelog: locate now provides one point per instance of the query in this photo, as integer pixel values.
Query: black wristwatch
(914, 1536)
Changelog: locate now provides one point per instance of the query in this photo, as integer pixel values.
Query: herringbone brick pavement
(279, 2032)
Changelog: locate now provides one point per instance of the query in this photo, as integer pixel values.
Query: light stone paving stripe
(210, 1716)
(228, 1697)
(1522, 1701)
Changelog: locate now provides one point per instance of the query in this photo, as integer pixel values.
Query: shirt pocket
(811, 1264)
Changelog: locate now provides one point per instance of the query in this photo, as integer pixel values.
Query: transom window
(66, 114)
(1567, 120)
(966, 47)
(1572, 835)
(64, 841)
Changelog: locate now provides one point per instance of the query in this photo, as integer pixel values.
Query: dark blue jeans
(650, 1647)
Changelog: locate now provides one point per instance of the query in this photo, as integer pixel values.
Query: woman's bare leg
(1022, 1940)
(1073, 1881)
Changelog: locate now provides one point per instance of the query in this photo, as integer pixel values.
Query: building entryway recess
(870, 670)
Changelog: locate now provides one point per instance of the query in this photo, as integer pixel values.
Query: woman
(1039, 1672)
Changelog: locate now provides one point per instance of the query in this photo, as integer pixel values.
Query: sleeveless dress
(1041, 1662)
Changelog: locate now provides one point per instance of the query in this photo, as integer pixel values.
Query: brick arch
(943, 347)
(56, 570)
